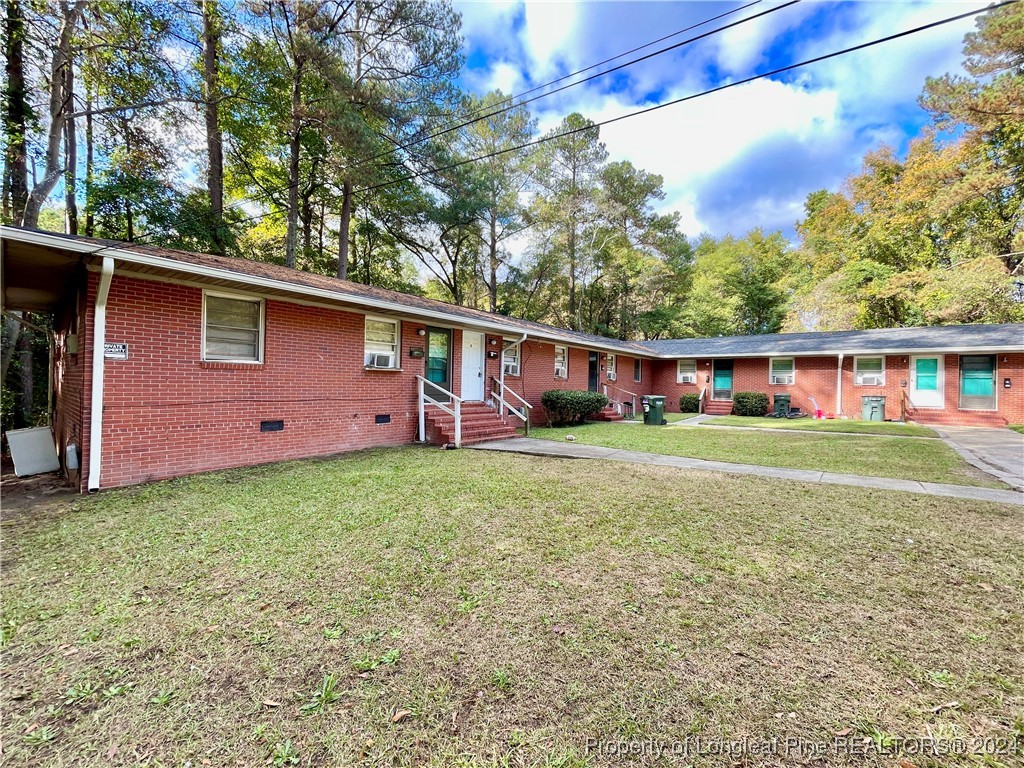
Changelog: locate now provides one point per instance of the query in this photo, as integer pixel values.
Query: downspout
(839, 387)
(99, 338)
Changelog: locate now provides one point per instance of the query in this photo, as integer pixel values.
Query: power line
(616, 68)
(717, 89)
(646, 110)
(399, 146)
(269, 193)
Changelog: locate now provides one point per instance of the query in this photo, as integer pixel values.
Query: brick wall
(537, 375)
(816, 378)
(68, 384)
(167, 413)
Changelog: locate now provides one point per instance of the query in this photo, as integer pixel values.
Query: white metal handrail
(632, 397)
(701, 400)
(455, 412)
(504, 405)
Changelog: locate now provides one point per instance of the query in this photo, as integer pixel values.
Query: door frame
(995, 382)
(483, 368)
(940, 378)
(593, 371)
(426, 361)
(732, 377)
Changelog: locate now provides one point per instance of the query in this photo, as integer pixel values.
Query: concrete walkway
(578, 451)
(999, 452)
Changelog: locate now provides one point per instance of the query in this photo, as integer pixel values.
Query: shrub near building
(689, 403)
(750, 403)
(570, 406)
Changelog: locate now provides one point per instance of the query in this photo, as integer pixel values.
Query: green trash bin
(872, 408)
(781, 404)
(654, 409)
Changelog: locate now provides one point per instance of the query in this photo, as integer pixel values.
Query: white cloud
(747, 156)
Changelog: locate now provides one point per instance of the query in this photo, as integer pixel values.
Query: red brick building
(168, 363)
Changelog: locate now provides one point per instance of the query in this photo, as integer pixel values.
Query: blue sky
(749, 155)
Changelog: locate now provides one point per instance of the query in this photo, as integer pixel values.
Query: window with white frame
(381, 337)
(686, 372)
(611, 367)
(510, 360)
(638, 369)
(232, 328)
(869, 371)
(561, 362)
(783, 371)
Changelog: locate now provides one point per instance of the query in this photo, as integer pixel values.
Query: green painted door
(722, 380)
(439, 362)
(978, 382)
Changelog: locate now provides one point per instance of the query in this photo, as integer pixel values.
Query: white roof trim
(133, 257)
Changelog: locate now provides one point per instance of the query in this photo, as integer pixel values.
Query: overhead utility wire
(717, 89)
(637, 113)
(587, 79)
(270, 192)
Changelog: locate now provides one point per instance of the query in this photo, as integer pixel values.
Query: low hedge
(689, 403)
(571, 406)
(750, 403)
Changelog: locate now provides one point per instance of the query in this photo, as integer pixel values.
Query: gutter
(99, 338)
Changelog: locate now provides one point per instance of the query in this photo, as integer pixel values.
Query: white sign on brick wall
(115, 351)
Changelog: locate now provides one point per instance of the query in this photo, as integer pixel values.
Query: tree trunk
(70, 161)
(90, 218)
(492, 286)
(15, 117)
(346, 218)
(27, 381)
(13, 330)
(214, 137)
(60, 106)
(294, 146)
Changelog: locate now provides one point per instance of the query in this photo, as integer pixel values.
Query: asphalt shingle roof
(931, 338)
(895, 340)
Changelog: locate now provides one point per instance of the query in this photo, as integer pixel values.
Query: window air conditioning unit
(611, 376)
(382, 361)
(511, 369)
(781, 380)
(561, 373)
(688, 378)
(871, 380)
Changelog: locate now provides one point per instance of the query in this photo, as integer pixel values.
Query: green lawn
(671, 418)
(924, 460)
(1017, 428)
(831, 425)
(458, 608)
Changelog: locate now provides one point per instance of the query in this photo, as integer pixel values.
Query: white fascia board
(847, 352)
(133, 257)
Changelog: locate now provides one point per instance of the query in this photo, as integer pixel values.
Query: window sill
(370, 368)
(229, 365)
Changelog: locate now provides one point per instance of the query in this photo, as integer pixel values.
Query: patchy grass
(671, 418)
(924, 460)
(502, 610)
(830, 425)
(1017, 428)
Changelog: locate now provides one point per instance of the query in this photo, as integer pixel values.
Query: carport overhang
(38, 277)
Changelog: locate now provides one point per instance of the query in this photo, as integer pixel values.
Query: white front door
(926, 381)
(472, 365)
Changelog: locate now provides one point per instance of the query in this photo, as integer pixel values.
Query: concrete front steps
(718, 407)
(937, 418)
(480, 423)
(608, 413)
